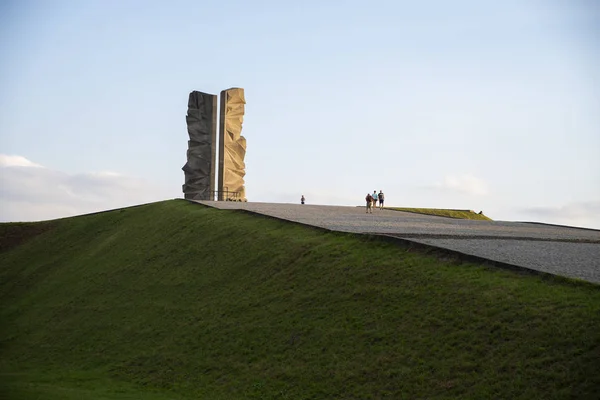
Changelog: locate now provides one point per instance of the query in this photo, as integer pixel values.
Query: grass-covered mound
(175, 300)
(442, 212)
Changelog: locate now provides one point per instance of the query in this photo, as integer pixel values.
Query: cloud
(583, 214)
(29, 192)
(16, 161)
(466, 184)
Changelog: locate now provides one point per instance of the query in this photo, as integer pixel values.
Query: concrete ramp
(558, 250)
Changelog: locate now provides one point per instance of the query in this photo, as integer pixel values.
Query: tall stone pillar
(232, 145)
(200, 168)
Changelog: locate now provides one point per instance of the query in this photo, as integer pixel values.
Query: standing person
(369, 200)
(381, 198)
(374, 196)
(302, 199)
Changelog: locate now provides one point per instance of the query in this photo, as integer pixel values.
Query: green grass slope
(174, 300)
(442, 212)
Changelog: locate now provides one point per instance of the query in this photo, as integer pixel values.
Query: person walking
(302, 199)
(369, 200)
(381, 197)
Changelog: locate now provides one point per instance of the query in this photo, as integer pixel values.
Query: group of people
(372, 200)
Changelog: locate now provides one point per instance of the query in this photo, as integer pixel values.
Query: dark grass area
(13, 234)
(176, 300)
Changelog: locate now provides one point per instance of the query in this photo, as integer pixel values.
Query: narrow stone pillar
(232, 145)
(200, 168)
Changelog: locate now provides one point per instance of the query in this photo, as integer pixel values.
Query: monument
(232, 146)
(199, 169)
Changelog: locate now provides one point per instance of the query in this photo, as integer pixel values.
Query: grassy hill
(442, 212)
(174, 300)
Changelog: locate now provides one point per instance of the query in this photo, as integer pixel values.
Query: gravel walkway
(571, 252)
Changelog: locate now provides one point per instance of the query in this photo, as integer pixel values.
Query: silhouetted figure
(369, 200)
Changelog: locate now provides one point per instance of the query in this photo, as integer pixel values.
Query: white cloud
(105, 174)
(583, 214)
(16, 161)
(32, 194)
(467, 184)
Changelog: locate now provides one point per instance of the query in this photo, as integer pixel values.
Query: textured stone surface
(232, 145)
(567, 258)
(558, 250)
(199, 169)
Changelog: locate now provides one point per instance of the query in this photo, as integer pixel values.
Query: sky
(482, 105)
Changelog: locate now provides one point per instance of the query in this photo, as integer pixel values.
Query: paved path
(559, 250)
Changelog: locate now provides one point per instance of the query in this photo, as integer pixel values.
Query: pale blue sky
(484, 105)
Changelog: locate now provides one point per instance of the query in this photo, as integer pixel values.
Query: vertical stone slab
(200, 168)
(232, 145)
